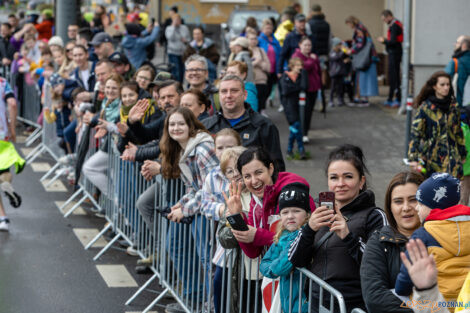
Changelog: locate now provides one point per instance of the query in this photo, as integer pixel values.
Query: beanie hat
(56, 79)
(56, 41)
(440, 191)
(133, 29)
(294, 195)
(335, 41)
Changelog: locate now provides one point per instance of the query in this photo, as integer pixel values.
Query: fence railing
(187, 259)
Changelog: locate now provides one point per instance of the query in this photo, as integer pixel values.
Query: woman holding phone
(264, 182)
(333, 241)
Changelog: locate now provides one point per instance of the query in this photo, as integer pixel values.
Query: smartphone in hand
(327, 198)
(237, 222)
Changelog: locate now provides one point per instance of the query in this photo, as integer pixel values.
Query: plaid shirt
(200, 162)
(212, 197)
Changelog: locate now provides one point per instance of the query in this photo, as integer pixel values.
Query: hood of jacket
(364, 200)
(190, 150)
(271, 193)
(451, 228)
(206, 44)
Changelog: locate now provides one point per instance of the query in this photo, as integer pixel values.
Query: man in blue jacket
(460, 64)
(135, 42)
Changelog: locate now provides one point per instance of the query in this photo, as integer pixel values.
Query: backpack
(466, 88)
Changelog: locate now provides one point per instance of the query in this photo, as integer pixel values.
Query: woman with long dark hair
(332, 243)
(437, 143)
(381, 261)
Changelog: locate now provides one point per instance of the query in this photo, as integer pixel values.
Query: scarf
(441, 104)
(124, 113)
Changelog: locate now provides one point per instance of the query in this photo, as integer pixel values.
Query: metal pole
(66, 15)
(405, 69)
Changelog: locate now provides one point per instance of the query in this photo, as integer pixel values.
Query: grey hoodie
(174, 35)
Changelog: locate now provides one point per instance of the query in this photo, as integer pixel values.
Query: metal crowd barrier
(181, 254)
(29, 100)
(49, 140)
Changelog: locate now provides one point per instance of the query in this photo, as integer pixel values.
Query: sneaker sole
(15, 199)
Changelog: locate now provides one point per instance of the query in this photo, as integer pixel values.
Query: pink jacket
(264, 237)
(312, 66)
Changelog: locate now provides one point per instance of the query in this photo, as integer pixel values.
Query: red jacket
(264, 237)
(44, 29)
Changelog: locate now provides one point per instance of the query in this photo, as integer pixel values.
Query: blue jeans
(177, 69)
(295, 134)
(70, 136)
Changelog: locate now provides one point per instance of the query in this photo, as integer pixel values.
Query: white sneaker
(263, 112)
(305, 139)
(67, 159)
(4, 224)
(131, 250)
(281, 109)
(15, 199)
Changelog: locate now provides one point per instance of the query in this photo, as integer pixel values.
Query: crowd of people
(208, 127)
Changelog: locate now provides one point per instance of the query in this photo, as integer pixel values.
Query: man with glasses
(72, 31)
(197, 75)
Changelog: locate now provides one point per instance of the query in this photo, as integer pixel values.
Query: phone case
(237, 222)
(327, 198)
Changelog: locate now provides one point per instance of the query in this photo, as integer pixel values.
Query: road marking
(26, 151)
(85, 235)
(323, 134)
(141, 312)
(21, 139)
(77, 211)
(116, 276)
(40, 166)
(56, 186)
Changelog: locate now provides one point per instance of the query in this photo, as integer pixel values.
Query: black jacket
(395, 34)
(132, 137)
(290, 91)
(338, 261)
(255, 130)
(149, 131)
(320, 33)
(379, 269)
(6, 49)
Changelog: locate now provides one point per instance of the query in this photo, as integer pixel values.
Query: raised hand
(422, 268)
(234, 202)
(137, 112)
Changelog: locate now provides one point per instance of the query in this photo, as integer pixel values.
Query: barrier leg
(151, 305)
(101, 233)
(107, 247)
(35, 153)
(71, 199)
(45, 176)
(54, 179)
(75, 206)
(144, 286)
(33, 137)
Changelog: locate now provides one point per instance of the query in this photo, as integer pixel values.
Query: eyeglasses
(143, 78)
(231, 172)
(195, 70)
